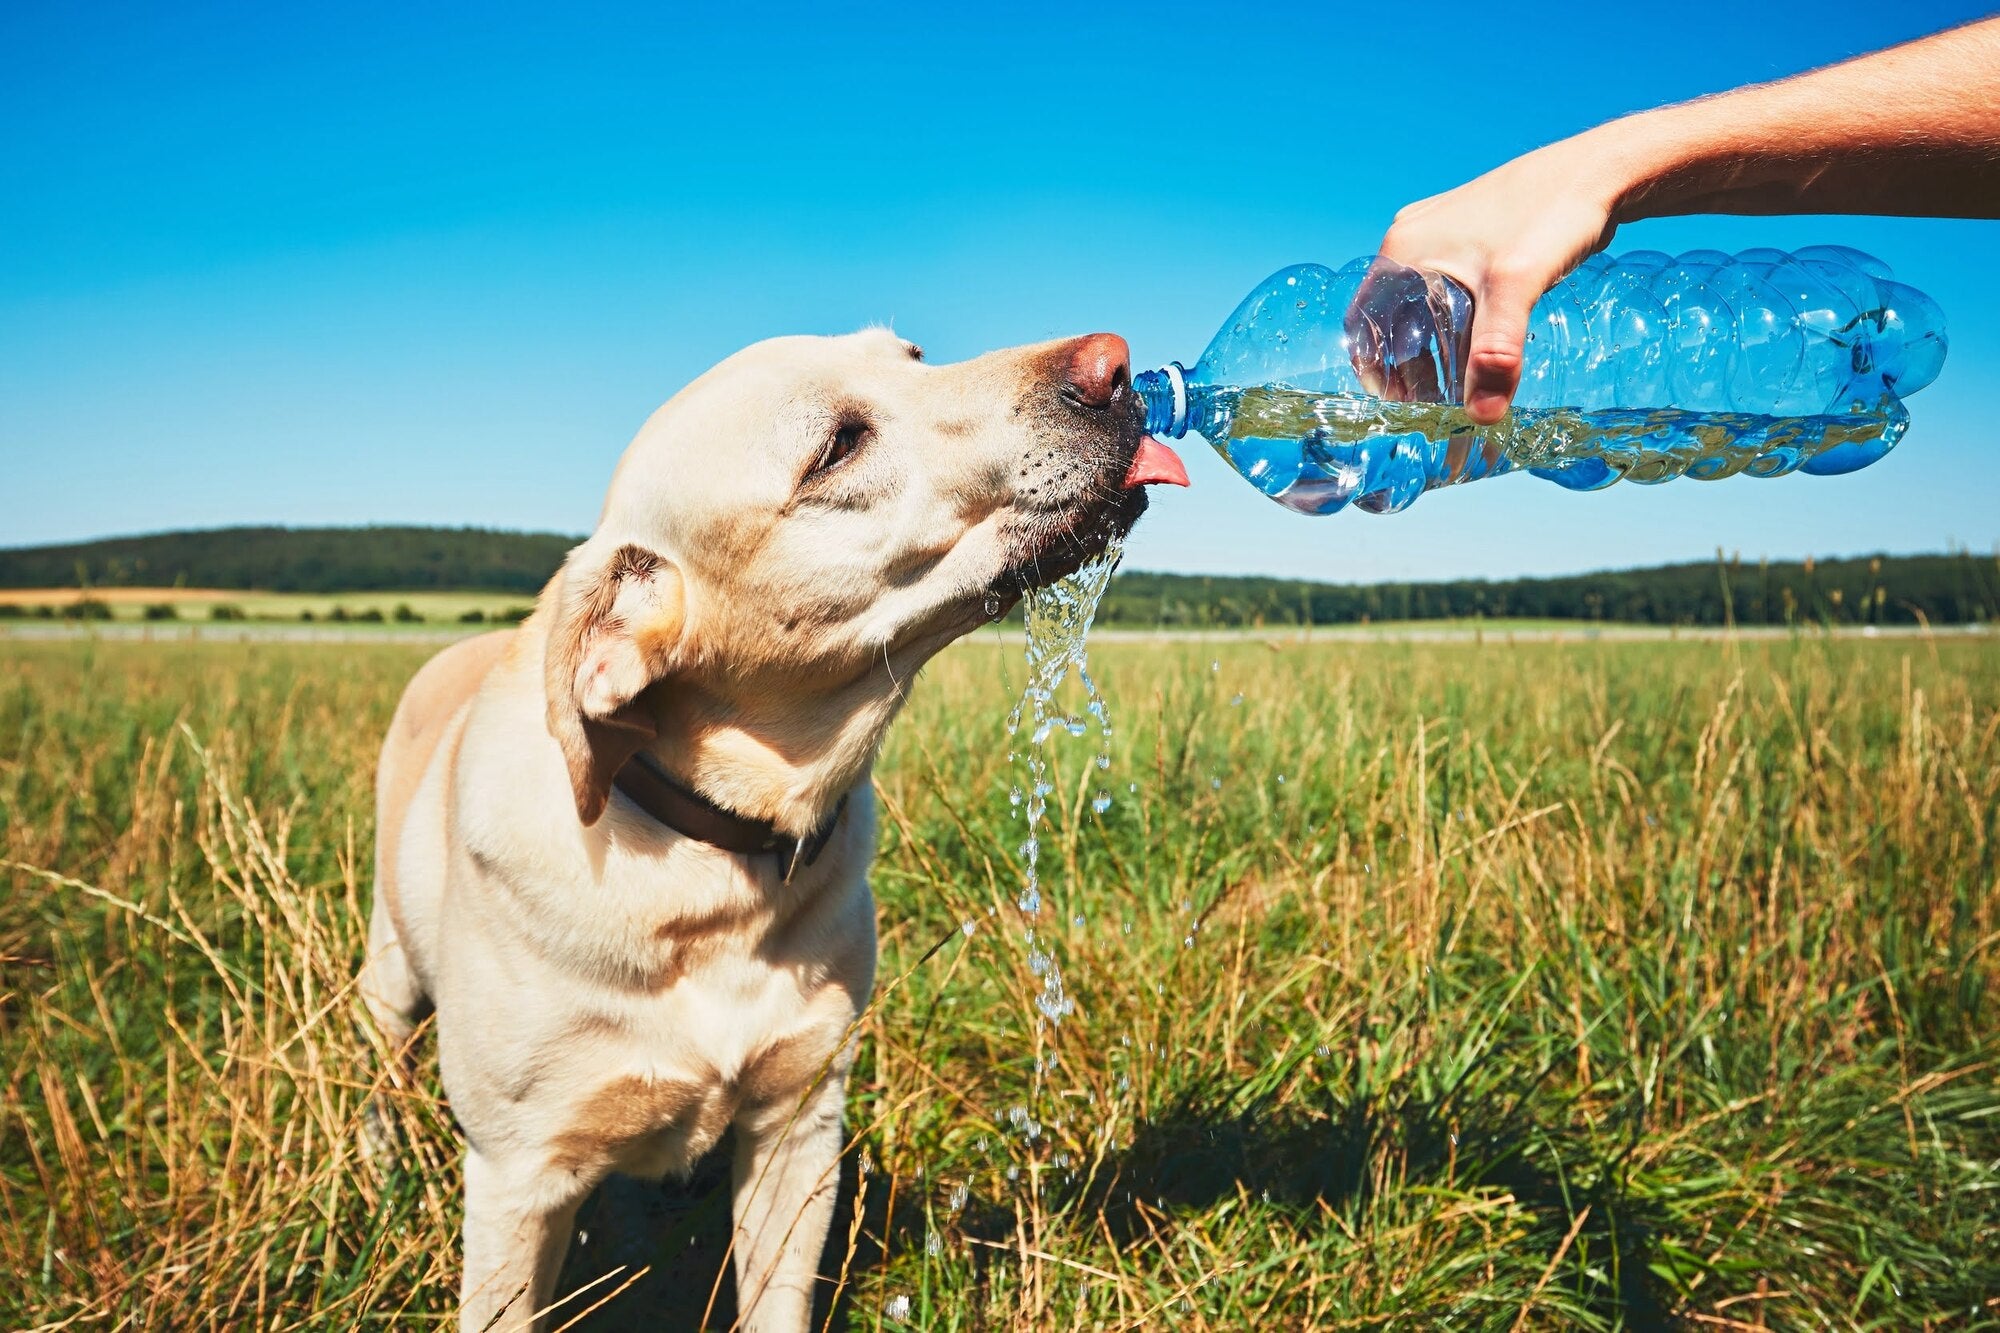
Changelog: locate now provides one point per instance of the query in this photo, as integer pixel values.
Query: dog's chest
(671, 1072)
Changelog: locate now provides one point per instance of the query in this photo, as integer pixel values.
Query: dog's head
(798, 530)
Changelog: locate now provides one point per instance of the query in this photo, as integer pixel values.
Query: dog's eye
(846, 442)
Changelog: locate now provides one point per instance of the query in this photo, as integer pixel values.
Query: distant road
(1579, 632)
(1454, 632)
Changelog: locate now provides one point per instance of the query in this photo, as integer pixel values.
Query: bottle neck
(1165, 393)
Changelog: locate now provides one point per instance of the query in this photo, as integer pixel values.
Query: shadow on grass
(1213, 1144)
(682, 1229)
(1203, 1150)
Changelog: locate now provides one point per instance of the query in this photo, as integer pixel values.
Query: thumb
(1499, 333)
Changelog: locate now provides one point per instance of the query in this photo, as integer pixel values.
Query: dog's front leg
(517, 1228)
(787, 1175)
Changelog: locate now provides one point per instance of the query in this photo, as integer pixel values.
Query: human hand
(1508, 236)
(1823, 142)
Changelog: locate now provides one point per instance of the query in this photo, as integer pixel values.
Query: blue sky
(347, 264)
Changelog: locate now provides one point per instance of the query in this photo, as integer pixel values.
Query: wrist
(1637, 157)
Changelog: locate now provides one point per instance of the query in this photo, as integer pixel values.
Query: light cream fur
(611, 996)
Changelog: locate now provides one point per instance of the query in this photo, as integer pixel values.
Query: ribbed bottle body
(1329, 387)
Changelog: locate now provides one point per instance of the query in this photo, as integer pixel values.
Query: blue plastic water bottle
(1335, 387)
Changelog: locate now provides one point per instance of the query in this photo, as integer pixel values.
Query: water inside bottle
(1318, 451)
(1058, 621)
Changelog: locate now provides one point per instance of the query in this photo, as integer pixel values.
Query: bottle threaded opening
(1164, 391)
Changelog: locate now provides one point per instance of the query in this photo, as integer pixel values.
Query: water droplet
(1322, 1051)
(933, 1243)
(1214, 667)
(967, 926)
(1030, 901)
(1103, 763)
(1101, 802)
(1077, 921)
(898, 1308)
(1215, 784)
(992, 607)
(1281, 779)
(1236, 701)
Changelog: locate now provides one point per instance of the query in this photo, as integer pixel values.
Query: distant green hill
(1941, 589)
(1887, 590)
(298, 560)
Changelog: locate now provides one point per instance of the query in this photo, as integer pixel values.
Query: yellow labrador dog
(622, 851)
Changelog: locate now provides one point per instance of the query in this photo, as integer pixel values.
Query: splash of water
(1058, 620)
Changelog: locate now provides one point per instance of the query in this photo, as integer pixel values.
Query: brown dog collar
(692, 815)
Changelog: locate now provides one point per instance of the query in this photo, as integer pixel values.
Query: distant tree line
(1884, 590)
(320, 560)
(1941, 589)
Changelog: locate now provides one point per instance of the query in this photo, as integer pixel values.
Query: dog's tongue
(1154, 465)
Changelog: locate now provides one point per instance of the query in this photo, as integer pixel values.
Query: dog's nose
(1099, 365)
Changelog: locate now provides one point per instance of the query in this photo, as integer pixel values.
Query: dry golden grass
(1602, 986)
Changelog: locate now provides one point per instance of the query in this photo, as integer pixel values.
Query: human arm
(1913, 130)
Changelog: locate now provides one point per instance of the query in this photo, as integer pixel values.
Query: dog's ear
(616, 630)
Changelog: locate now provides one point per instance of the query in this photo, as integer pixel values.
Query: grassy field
(198, 604)
(445, 610)
(1425, 986)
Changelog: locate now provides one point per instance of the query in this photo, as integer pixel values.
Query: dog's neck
(731, 752)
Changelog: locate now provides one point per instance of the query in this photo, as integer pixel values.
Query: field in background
(198, 604)
(1465, 986)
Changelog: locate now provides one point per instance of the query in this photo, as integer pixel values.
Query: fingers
(1391, 335)
(1501, 308)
